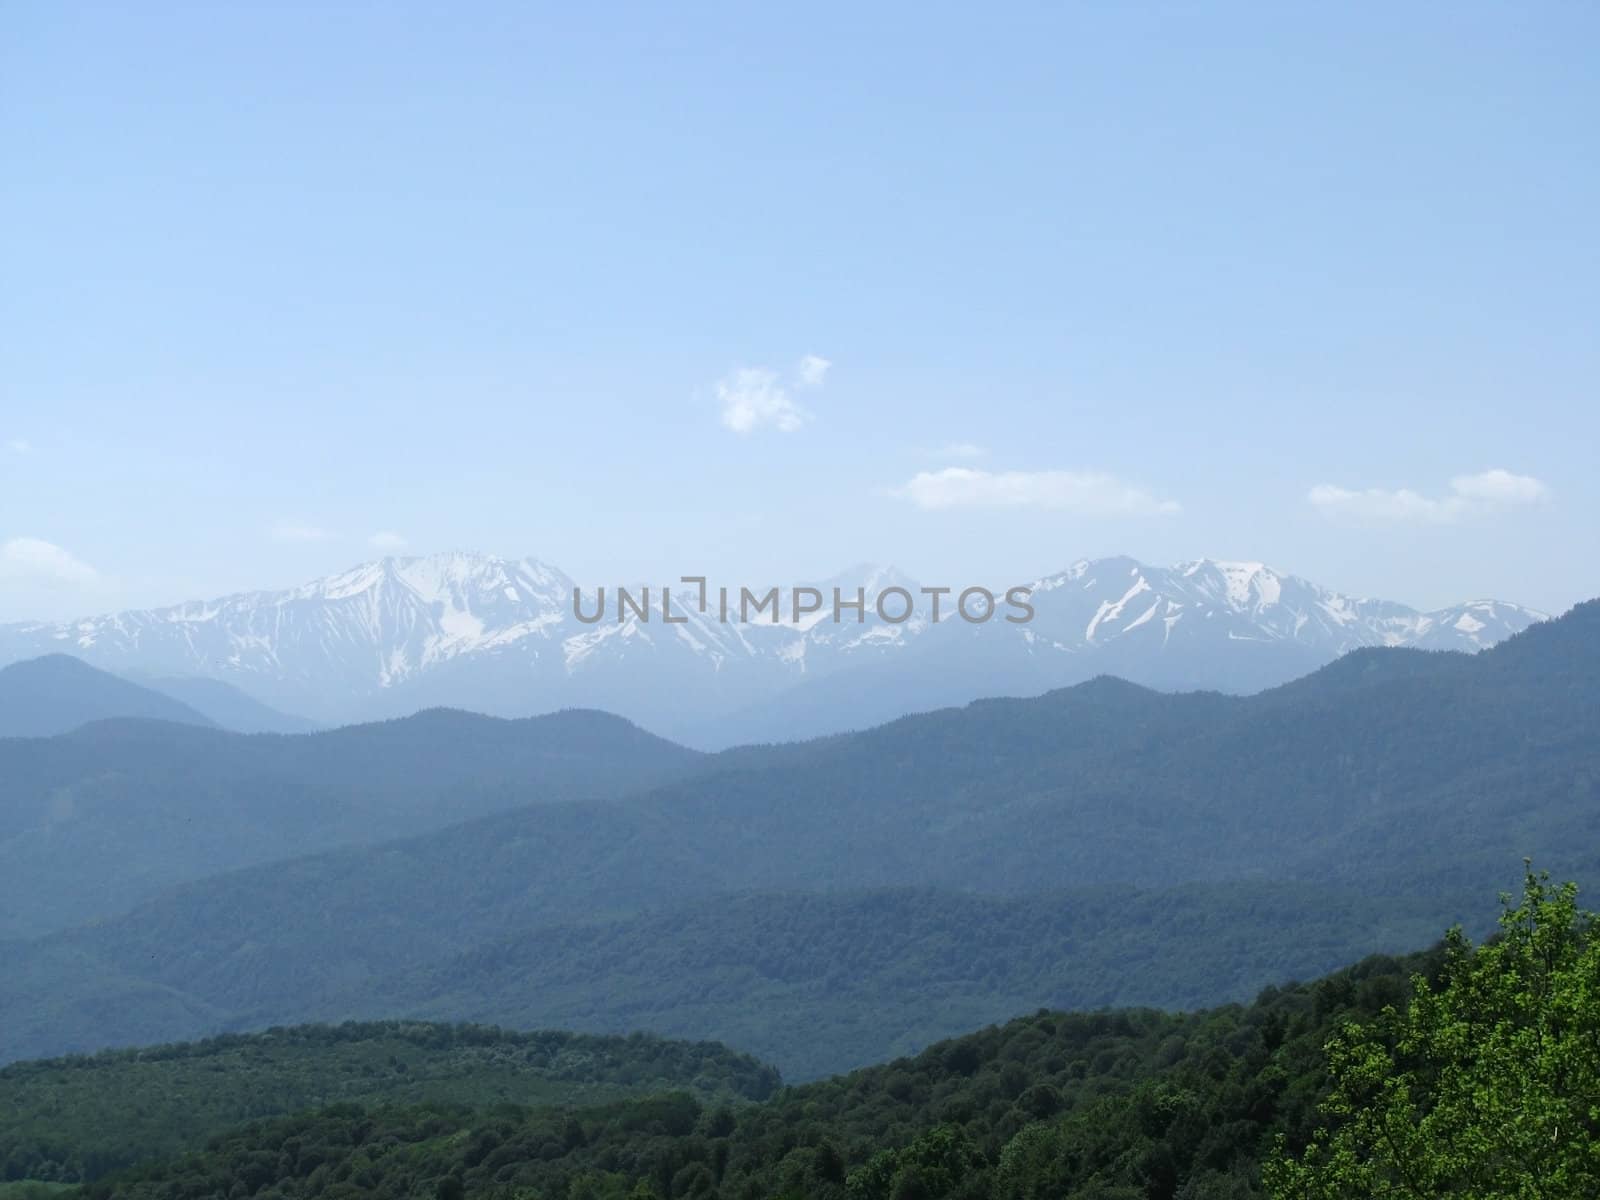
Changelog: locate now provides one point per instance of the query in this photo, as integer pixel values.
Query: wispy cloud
(292, 531)
(755, 398)
(27, 560)
(387, 539)
(19, 446)
(1469, 496)
(1088, 492)
(812, 371)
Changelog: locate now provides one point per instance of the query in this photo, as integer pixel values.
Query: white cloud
(1499, 487)
(755, 398)
(1469, 496)
(19, 446)
(387, 540)
(812, 371)
(290, 531)
(28, 560)
(1090, 492)
(752, 397)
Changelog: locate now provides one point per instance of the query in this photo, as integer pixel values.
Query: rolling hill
(93, 821)
(1405, 774)
(71, 1119)
(1111, 1105)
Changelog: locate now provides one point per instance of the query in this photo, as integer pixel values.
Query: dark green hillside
(58, 693)
(1468, 1072)
(1129, 1102)
(77, 1118)
(821, 983)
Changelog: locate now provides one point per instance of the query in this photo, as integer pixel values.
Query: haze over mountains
(1100, 844)
(56, 693)
(97, 819)
(499, 636)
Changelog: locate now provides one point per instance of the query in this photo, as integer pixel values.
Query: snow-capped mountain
(1097, 604)
(502, 636)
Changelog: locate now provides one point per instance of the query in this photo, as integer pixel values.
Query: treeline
(1467, 1071)
(78, 1118)
(1129, 1103)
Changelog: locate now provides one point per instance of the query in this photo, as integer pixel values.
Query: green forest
(78, 1118)
(1470, 1070)
(1101, 845)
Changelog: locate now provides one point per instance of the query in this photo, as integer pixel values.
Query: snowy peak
(454, 578)
(500, 635)
(1477, 623)
(1243, 586)
(1093, 603)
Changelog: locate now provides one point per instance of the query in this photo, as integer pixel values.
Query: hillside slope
(1389, 773)
(94, 821)
(72, 1119)
(57, 693)
(226, 706)
(1123, 1105)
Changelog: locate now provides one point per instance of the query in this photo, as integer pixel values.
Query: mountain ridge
(1419, 783)
(57, 693)
(105, 815)
(500, 636)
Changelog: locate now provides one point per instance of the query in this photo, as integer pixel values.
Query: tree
(937, 1164)
(1486, 1085)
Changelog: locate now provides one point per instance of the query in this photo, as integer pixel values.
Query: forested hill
(816, 983)
(1464, 1071)
(94, 821)
(74, 1119)
(1119, 1105)
(1389, 774)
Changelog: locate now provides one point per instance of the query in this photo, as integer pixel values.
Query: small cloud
(1500, 488)
(1469, 496)
(752, 397)
(19, 446)
(289, 531)
(387, 540)
(957, 450)
(28, 560)
(1088, 492)
(812, 371)
(755, 398)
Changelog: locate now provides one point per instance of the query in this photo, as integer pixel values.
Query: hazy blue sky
(977, 290)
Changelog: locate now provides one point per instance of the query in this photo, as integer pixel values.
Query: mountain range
(45, 696)
(97, 819)
(1102, 843)
(500, 636)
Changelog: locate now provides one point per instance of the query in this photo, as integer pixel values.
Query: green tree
(1486, 1085)
(937, 1164)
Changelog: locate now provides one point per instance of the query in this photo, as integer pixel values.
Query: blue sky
(761, 293)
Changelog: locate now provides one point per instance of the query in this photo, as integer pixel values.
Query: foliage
(29, 1189)
(1485, 1085)
(821, 983)
(79, 1118)
(1056, 1104)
